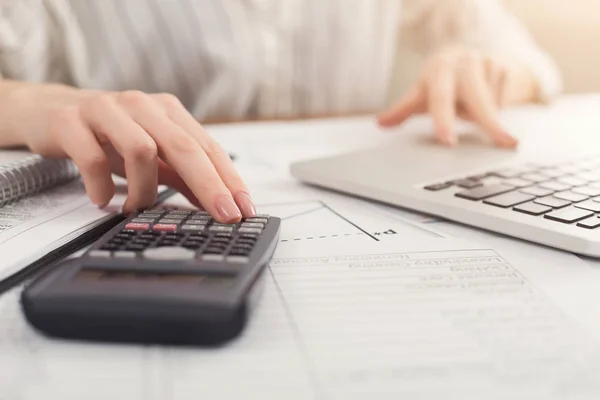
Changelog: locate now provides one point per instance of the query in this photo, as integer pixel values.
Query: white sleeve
(485, 24)
(25, 49)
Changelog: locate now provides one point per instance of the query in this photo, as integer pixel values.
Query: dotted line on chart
(320, 237)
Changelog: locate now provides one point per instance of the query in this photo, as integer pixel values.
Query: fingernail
(508, 141)
(246, 205)
(227, 209)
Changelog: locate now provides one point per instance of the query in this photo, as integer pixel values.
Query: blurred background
(569, 30)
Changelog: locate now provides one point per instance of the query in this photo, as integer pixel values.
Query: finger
(181, 151)
(135, 146)
(219, 158)
(80, 144)
(502, 89)
(441, 102)
(495, 74)
(479, 102)
(411, 103)
(169, 177)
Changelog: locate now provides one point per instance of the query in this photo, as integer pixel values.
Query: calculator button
(169, 253)
(123, 254)
(110, 247)
(137, 227)
(123, 236)
(175, 217)
(257, 219)
(148, 235)
(250, 230)
(224, 234)
(265, 216)
(150, 214)
(193, 228)
(124, 241)
(192, 245)
(165, 228)
(135, 247)
(217, 228)
(213, 257)
(240, 259)
(180, 212)
(103, 253)
(590, 223)
(214, 250)
(204, 218)
(143, 220)
(167, 221)
(239, 252)
(252, 225)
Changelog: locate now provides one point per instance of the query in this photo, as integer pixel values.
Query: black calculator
(165, 275)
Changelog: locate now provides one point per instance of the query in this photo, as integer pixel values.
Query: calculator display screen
(122, 276)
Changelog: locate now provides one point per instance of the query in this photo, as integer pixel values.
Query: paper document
(344, 319)
(35, 226)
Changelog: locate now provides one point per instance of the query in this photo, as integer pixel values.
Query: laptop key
(483, 192)
(589, 205)
(552, 202)
(570, 196)
(468, 183)
(554, 185)
(532, 208)
(534, 177)
(518, 183)
(569, 215)
(590, 223)
(587, 190)
(510, 199)
(572, 181)
(537, 191)
(439, 186)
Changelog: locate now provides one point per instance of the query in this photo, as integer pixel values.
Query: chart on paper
(320, 221)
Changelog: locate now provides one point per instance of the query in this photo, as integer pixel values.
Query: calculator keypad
(184, 235)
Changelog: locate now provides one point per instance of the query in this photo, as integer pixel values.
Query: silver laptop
(551, 198)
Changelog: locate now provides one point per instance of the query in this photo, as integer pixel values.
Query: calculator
(165, 275)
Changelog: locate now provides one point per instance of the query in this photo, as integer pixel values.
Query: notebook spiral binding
(32, 174)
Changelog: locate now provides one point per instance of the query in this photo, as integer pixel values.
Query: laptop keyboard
(567, 193)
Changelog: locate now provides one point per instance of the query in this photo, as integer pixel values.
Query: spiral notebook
(45, 212)
(23, 174)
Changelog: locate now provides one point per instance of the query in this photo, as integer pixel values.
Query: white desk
(32, 367)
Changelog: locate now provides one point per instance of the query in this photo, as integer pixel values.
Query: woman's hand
(149, 139)
(458, 82)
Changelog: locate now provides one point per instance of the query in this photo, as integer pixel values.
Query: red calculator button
(137, 226)
(165, 227)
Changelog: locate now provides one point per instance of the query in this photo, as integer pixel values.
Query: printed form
(344, 317)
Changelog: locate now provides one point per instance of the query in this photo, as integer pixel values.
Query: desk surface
(501, 347)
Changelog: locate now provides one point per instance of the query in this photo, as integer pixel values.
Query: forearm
(24, 107)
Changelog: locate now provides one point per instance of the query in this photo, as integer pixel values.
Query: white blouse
(249, 58)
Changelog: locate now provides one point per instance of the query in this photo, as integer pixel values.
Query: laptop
(547, 196)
